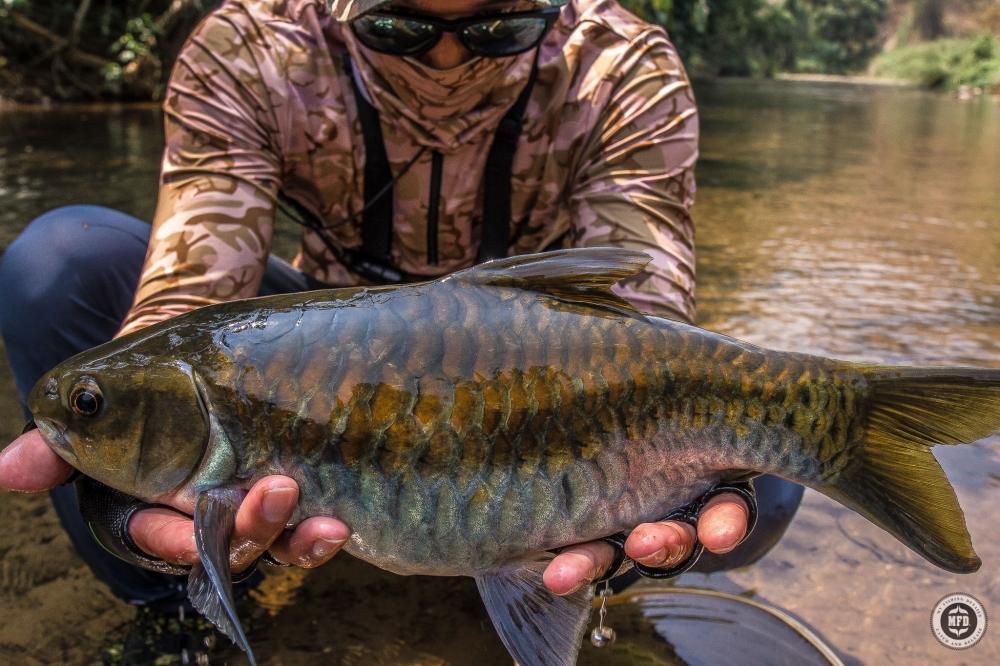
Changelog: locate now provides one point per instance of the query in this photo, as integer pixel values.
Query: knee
(50, 241)
(59, 252)
(38, 247)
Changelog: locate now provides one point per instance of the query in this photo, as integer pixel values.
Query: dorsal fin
(579, 275)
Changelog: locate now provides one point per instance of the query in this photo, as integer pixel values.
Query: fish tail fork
(892, 478)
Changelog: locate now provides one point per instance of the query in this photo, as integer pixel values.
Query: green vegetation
(122, 49)
(948, 64)
(73, 49)
(762, 37)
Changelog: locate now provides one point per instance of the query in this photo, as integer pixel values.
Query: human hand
(28, 465)
(722, 525)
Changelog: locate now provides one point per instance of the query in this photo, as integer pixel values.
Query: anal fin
(210, 589)
(538, 628)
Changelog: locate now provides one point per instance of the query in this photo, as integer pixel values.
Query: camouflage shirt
(260, 103)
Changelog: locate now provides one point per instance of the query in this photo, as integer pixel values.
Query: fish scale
(468, 426)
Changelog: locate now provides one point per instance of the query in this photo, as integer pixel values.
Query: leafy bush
(844, 33)
(946, 64)
(737, 37)
(81, 48)
(761, 37)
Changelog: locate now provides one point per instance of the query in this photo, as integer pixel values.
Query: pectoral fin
(209, 586)
(538, 627)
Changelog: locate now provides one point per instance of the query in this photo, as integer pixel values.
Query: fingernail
(323, 547)
(277, 503)
(564, 572)
(7, 451)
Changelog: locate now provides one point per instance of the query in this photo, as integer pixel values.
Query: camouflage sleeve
(635, 187)
(212, 228)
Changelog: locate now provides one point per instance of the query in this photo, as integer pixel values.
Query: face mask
(442, 109)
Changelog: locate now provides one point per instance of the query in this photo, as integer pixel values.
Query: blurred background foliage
(936, 43)
(122, 49)
(92, 49)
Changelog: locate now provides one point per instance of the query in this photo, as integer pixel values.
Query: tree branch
(59, 43)
(168, 19)
(81, 14)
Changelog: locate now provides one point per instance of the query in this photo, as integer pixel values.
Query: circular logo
(958, 621)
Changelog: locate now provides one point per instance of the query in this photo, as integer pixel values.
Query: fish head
(130, 421)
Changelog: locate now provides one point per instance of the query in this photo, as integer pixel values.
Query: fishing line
(311, 220)
(354, 260)
(603, 636)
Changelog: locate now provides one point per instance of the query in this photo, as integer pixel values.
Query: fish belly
(444, 525)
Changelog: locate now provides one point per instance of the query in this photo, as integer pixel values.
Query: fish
(474, 424)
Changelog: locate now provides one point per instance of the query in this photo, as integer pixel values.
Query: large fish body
(469, 425)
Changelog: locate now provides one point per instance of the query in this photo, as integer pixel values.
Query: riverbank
(851, 79)
(962, 92)
(8, 104)
(969, 65)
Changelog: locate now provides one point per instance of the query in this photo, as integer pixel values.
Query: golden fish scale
(492, 413)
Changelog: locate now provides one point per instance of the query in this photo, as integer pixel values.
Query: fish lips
(54, 435)
(44, 399)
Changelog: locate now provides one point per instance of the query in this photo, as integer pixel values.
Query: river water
(849, 221)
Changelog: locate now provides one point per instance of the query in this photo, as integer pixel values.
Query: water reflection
(676, 626)
(850, 221)
(55, 158)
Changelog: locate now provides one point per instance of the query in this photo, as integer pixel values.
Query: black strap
(377, 220)
(497, 178)
(376, 231)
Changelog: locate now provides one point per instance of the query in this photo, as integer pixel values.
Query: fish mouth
(55, 436)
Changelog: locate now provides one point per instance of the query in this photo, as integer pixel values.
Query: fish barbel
(470, 425)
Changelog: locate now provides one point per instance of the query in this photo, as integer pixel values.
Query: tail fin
(894, 480)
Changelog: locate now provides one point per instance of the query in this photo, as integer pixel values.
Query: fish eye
(86, 398)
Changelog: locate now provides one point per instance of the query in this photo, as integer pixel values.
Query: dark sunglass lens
(395, 34)
(502, 37)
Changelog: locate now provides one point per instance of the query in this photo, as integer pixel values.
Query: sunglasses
(490, 36)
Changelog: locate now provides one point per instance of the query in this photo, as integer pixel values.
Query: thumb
(28, 465)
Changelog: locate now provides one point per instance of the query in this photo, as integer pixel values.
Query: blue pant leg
(65, 285)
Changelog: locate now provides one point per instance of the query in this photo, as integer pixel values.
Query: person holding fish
(411, 139)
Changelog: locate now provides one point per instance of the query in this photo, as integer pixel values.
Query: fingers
(165, 534)
(661, 545)
(262, 517)
(313, 542)
(578, 566)
(260, 525)
(28, 465)
(722, 523)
